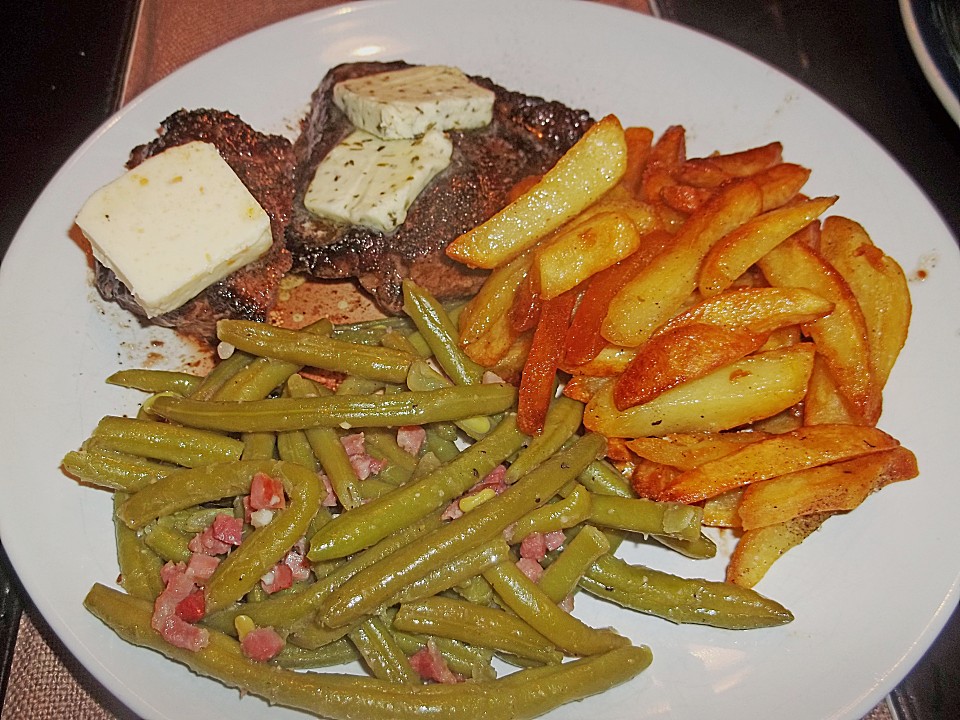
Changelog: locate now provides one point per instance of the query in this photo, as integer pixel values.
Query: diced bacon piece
(299, 565)
(180, 633)
(554, 539)
(201, 567)
(330, 499)
(431, 665)
(165, 620)
(493, 480)
(261, 644)
(172, 570)
(193, 607)
(354, 444)
(566, 604)
(266, 493)
(531, 568)
(205, 543)
(452, 512)
(228, 529)
(364, 465)
(534, 546)
(279, 578)
(411, 438)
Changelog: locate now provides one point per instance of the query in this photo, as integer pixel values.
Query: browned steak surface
(264, 163)
(527, 136)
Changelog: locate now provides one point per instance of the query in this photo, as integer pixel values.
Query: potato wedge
(761, 310)
(838, 487)
(584, 250)
(678, 356)
(738, 250)
(824, 402)
(686, 451)
(806, 447)
(758, 549)
(610, 361)
(757, 386)
(722, 510)
(841, 336)
(749, 162)
(879, 285)
(494, 299)
(661, 289)
(648, 479)
(639, 143)
(588, 170)
(780, 184)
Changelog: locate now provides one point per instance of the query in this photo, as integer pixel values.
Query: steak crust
(264, 164)
(527, 137)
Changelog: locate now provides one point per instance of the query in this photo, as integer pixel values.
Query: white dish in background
(870, 591)
(933, 28)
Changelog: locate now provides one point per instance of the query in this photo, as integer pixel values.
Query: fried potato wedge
(806, 447)
(749, 162)
(656, 293)
(755, 387)
(759, 309)
(878, 283)
(639, 142)
(583, 387)
(722, 510)
(780, 184)
(686, 451)
(494, 299)
(758, 549)
(610, 361)
(838, 487)
(584, 173)
(738, 250)
(648, 479)
(678, 356)
(841, 336)
(824, 404)
(584, 250)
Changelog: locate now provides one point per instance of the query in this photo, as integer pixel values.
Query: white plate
(870, 591)
(933, 28)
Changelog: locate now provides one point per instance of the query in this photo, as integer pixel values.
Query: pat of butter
(367, 181)
(174, 225)
(406, 103)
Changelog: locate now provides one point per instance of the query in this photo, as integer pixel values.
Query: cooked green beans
(161, 441)
(156, 381)
(647, 516)
(358, 411)
(524, 694)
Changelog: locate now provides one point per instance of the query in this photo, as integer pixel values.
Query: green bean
(287, 611)
(221, 373)
(370, 332)
(161, 441)
(476, 590)
(440, 447)
(259, 446)
(440, 333)
(310, 636)
(382, 444)
(372, 488)
(465, 659)
(570, 635)
(524, 694)
(366, 592)
(398, 341)
(564, 418)
(193, 519)
(156, 381)
(381, 653)
(419, 344)
(700, 548)
(139, 565)
(309, 349)
(256, 380)
(114, 470)
(647, 517)
(602, 478)
(422, 376)
(560, 577)
(353, 385)
(484, 626)
(571, 510)
(293, 446)
(326, 446)
(682, 600)
(404, 408)
(369, 523)
(464, 567)
(167, 542)
(337, 652)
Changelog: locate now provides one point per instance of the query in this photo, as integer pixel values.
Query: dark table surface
(63, 61)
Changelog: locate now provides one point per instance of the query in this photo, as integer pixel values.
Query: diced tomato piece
(193, 607)
(266, 493)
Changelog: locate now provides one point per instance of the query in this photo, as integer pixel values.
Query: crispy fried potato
(738, 250)
(879, 285)
(750, 161)
(678, 356)
(588, 170)
(686, 451)
(722, 510)
(758, 549)
(824, 404)
(838, 487)
(610, 361)
(661, 288)
(686, 199)
(583, 387)
(806, 447)
(648, 479)
(780, 184)
(701, 173)
(760, 310)
(639, 144)
(758, 386)
(584, 250)
(494, 299)
(841, 336)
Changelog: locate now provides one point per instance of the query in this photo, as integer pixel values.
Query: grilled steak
(527, 136)
(264, 163)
